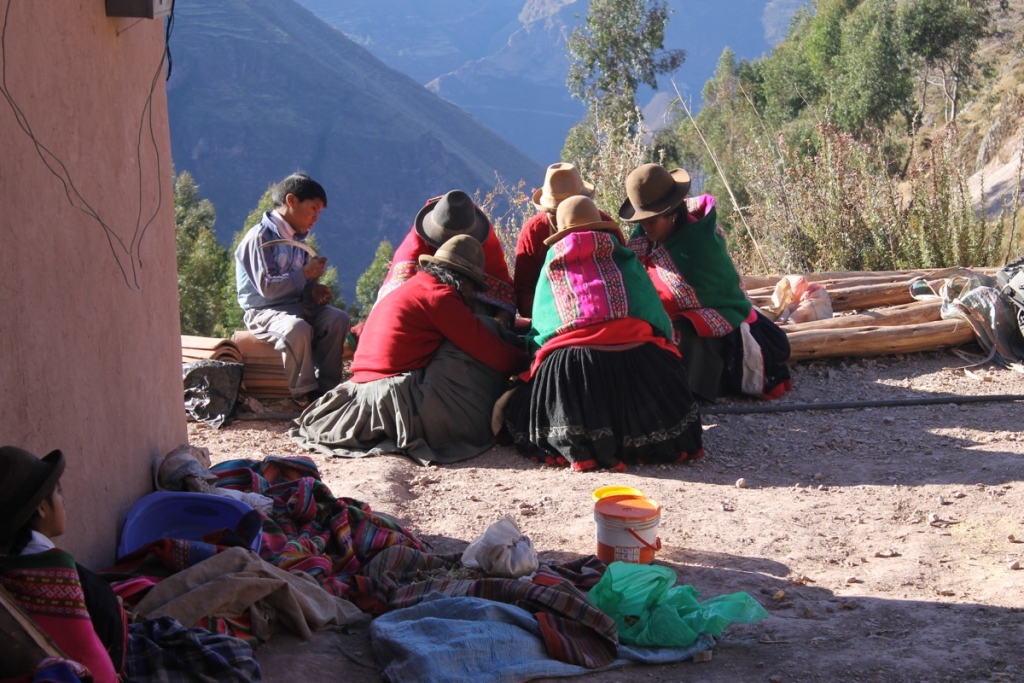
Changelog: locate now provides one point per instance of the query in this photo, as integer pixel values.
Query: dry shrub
(605, 164)
(508, 206)
(613, 153)
(835, 207)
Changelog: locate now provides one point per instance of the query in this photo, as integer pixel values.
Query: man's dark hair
(300, 185)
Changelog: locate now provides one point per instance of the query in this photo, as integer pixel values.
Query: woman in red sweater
(427, 370)
(438, 221)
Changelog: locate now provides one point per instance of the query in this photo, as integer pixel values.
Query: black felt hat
(25, 482)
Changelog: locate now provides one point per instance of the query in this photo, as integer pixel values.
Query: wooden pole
(905, 314)
(859, 297)
(764, 285)
(24, 644)
(879, 341)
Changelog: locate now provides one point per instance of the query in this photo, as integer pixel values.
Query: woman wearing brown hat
(606, 387)
(426, 373)
(728, 346)
(561, 181)
(437, 222)
(77, 608)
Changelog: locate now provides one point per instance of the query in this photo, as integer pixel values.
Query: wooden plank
(194, 342)
(879, 341)
(761, 286)
(914, 313)
(251, 383)
(870, 296)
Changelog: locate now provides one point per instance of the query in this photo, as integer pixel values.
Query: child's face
(301, 215)
(52, 517)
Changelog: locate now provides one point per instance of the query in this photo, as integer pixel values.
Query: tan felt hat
(561, 181)
(579, 214)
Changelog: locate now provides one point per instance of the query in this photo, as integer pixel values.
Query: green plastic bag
(651, 612)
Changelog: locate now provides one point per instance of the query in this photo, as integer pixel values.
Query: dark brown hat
(450, 215)
(25, 482)
(653, 190)
(578, 214)
(463, 254)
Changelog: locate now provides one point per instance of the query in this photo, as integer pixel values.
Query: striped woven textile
(380, 566)
(309, 529)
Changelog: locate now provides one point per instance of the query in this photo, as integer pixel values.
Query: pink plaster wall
(90, 351)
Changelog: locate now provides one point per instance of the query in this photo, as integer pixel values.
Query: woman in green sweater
(728, 346)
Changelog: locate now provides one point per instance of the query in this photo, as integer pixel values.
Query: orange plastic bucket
(627, 528)
(608, 491)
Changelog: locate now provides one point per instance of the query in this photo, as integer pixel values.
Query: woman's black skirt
(594, 408)
(716, 366)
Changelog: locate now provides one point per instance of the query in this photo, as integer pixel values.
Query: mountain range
(261, 88)
(505, 61)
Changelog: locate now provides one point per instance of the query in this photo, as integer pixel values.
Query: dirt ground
(883, 541)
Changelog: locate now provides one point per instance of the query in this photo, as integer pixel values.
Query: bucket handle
(657, 540)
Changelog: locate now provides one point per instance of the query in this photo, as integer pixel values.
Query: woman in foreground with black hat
(728, 346)
(77, 608)
(441, 219)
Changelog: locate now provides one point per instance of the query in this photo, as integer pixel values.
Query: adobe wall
(89, 332)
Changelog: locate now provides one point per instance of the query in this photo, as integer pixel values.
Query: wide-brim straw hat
(653, 190)
(463, 254)
(25, 482)
(579, 214)
(450, 215)
(561, 181)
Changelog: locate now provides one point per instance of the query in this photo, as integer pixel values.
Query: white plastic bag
(502, 550)
(797, 300)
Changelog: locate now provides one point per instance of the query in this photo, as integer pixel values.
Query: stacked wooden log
(876, 315)
(263, 375)
(209, 348)
(263, 370)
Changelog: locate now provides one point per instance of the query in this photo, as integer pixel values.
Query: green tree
(203, 264)
(790, 83)
(874, 82)
(581, 142)
(372, 278)
(619, 47)
(944, 35)
(727, 123)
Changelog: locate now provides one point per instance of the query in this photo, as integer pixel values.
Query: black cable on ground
(845, 405)
(771, 408)
(265, 416)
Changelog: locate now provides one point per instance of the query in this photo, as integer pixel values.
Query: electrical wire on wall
(127, 257)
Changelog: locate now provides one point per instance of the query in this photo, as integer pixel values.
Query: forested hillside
(853, 145)
(505, 61)
(260, 88)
